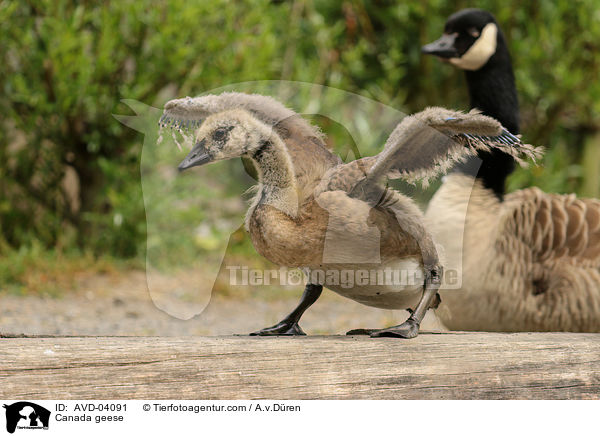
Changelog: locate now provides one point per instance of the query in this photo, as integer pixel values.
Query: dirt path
(121, 305)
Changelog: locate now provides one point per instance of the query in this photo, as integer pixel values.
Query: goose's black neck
(492, 90)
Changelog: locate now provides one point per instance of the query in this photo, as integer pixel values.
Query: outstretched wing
(188, 113)
(428, 143)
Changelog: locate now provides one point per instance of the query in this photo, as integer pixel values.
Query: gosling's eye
(220, 134)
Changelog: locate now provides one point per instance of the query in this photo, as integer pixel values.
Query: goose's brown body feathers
(558, 236)
(531, 262)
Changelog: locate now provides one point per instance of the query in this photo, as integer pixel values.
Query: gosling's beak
(198, 156)
(443, 47)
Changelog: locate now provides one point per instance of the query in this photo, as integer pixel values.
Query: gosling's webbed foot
(281, 329)
(408, 329)
(366, 332)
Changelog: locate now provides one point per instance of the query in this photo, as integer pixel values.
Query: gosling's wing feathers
(178, 112)
(423, 145)
(343, 192)
(344, 177)
(188, 113)
(426, 144)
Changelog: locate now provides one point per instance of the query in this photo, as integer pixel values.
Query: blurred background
(73, 231)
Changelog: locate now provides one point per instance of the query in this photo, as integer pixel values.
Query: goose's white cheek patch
(480, 52)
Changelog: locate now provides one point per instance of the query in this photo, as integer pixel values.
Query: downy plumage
(343, 218)
(530, 260)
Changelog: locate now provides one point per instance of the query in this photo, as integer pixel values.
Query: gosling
(328, 228)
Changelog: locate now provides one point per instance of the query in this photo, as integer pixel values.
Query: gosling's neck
(276, 176)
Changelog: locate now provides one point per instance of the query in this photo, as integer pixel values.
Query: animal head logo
(25, 414)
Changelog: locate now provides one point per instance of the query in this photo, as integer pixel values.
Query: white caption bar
(265, 417)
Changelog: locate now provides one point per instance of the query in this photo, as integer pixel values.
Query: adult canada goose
(327, 225)
(530, 260)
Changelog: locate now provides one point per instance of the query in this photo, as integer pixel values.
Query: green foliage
(34, 269)
(65, 66)
(69, 172)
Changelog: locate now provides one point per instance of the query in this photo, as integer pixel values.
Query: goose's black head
(473, 41)
(471, 37)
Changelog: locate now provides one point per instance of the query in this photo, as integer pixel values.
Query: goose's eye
(473, 32)
(220, 134)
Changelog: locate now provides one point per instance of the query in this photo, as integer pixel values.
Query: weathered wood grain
(432, 366)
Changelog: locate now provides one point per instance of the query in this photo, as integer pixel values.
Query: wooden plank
(432, 366)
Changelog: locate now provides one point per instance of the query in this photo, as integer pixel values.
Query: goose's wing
(548, 254)
(556, 226)
(428, 143)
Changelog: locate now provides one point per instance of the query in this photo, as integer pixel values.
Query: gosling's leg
(289, 326)
(410, 328)
(410, 222)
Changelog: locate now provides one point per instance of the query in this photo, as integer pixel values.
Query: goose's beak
(443, 47)
(198, 156)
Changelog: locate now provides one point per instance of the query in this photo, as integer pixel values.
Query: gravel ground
(106, 305)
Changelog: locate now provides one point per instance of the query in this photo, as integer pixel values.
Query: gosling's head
(226, 135)
(471, 37)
